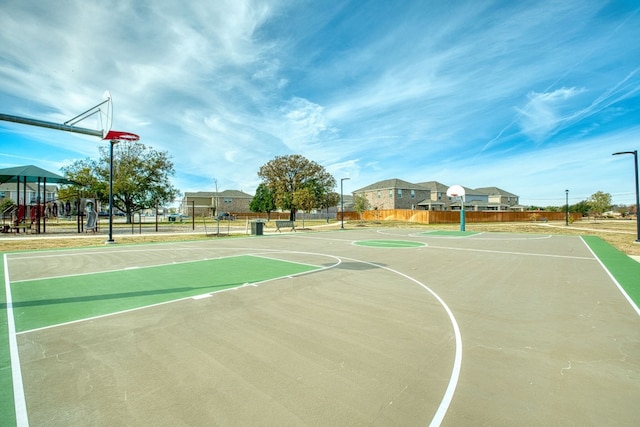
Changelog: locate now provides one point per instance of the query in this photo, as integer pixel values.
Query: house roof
(470, 191)
(390, 183)
(495, 191)
(434, 186)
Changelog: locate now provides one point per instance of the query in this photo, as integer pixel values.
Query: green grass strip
(7, 405)
(625, 269)
(41, 303)
(389, 243)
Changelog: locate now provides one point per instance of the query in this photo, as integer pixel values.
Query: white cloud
(544, 112)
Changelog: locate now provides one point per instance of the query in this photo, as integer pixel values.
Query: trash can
(256, 228)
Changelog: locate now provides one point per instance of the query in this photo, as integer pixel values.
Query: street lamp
(566, 217)
(342, 203)
(635, 158)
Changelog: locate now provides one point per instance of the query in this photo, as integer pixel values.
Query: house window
(439, 196)
(378, 194)
(228, 201)
(391, 193)
(413, 194)
(399, 193)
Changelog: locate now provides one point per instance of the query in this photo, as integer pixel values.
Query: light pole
(342, 203)
(566, 217)
(635, 159)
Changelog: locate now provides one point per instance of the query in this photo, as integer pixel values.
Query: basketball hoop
(458, 191)
(455, 191)
(114, 135)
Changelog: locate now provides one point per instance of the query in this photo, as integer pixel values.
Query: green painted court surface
(623, 268)
(42, 303)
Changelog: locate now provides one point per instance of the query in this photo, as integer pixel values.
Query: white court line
(624, 293)
(440, 413)
(20, 403)
(511, 252)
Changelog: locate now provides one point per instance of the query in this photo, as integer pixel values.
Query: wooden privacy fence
(447, 217)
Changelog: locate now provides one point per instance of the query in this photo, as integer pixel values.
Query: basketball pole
(462, 215)
(112, 143)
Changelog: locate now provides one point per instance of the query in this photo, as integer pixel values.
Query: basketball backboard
(455, 191)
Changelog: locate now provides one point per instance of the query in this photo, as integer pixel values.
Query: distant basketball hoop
(455, 191)
(458, 191)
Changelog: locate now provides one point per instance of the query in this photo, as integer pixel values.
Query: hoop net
(114, 135)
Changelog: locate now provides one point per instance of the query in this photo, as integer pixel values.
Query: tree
(304, 199)
(285, 175)
(600, 203)
(583, 207)
(360, 204)
(6, 205)
(140, 178)
(329, 200)
(263, 201)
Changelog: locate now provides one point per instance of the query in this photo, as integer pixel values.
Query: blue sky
(529, 96)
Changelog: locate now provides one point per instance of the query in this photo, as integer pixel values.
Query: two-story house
(432, 195)
(208, 203)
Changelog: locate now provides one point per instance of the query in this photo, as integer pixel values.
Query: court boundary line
(19, 401)
(512, 253)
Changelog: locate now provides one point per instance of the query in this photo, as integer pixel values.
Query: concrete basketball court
(485, 329)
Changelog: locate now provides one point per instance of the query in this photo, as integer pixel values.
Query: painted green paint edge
(621, 266)
(7, 404)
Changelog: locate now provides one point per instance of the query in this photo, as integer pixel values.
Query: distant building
(10, 191)
(432, 195)
(206, 203)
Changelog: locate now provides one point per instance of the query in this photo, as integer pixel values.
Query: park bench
(285, 224)
(22, 224)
